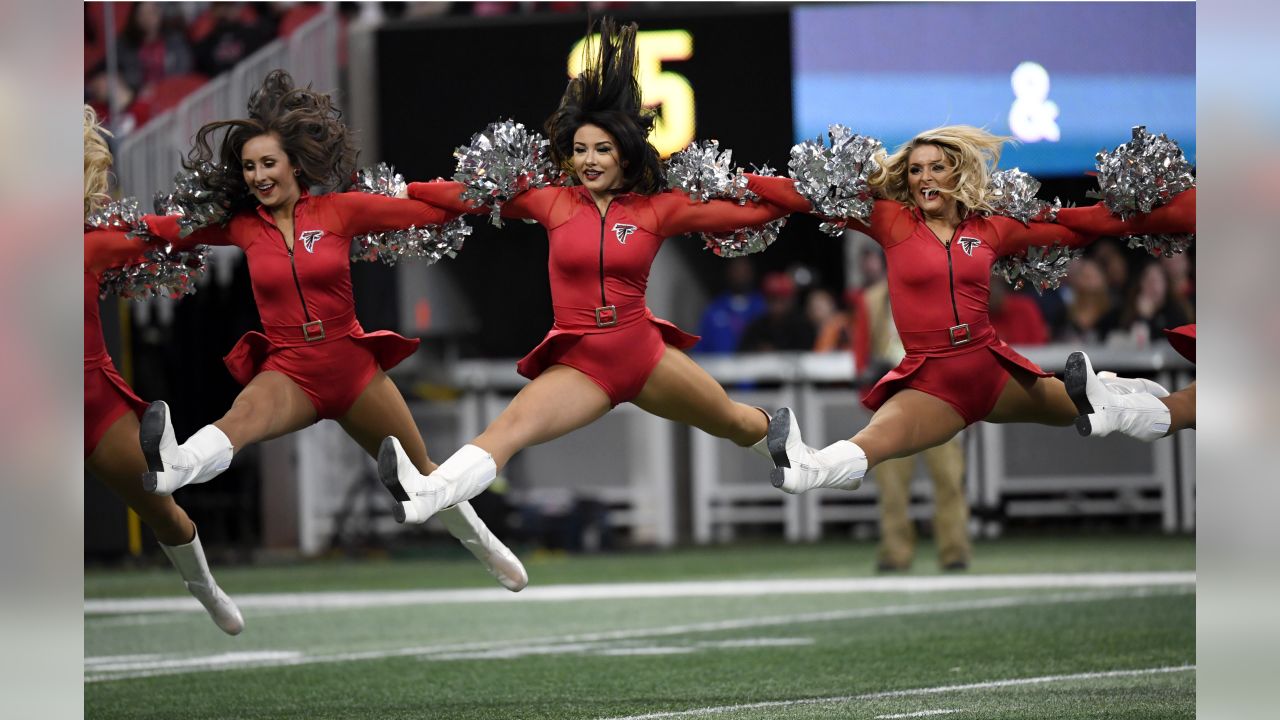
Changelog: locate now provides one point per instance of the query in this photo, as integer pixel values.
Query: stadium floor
(1065, 628)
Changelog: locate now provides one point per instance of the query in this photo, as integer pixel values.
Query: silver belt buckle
(959, 334)
(606, 316)
(313, 331)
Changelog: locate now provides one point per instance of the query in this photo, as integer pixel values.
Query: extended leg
(380, 412)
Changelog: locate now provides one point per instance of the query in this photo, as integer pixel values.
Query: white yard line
(994, 684)
(922, 713)
(218, 662)
(296, 602)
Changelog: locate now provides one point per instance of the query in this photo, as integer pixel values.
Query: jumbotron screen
(1065, 79)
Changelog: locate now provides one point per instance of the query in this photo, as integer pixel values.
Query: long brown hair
(310, 130)
(607, 94)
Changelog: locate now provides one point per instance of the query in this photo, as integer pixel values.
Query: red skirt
(618, 359)
(106, 398)
(970, 382)
(332, 372)
(1183, 339)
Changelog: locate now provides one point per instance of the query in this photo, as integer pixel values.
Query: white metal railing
(148, 158)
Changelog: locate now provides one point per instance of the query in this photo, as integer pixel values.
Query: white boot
(170, 465)
(1103, 411)
(462, 522)
(798, 467)
(463, 476)
(191, 564)
(1128, 386)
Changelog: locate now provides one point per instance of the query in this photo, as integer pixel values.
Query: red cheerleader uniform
(304, 297)
(599, 269)
(106, 395)
(1183, 339)
(939, 292)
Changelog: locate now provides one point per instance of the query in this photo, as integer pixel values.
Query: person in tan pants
(876, 347)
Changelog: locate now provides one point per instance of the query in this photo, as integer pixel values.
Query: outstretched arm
(532, 204)
(108, 248)
(677, 213)
(1013, 236)
(166, 227)
(890, 222)
(1176, 217)
(359, 213)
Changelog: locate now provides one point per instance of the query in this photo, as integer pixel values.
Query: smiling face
(928, 171)
(268, 172)
(595, 160)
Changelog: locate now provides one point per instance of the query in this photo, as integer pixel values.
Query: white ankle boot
(191, 564)
(463, 476)
(1103, 410)
(462, 522)
(798, 467)
(1129, 386)
(171, 466)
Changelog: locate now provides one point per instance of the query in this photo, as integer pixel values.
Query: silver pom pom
(834, 179)
(381, 179)
(162, 272)
(192, 199)
(1142, 174)
(1043, 268)
(705, 172)
(1162, 245)
(122, 214)
(500, 162)
(429, 242)
(1012, 193)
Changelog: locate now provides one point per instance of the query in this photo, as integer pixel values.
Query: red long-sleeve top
(935, 286)
(600, 259)
(103, 249)
(311, 281)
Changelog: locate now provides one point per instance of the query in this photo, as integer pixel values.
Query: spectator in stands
(835, 331)
(1114, 262)
(1090, 314)
(1182, 284)
(783, 326)
(877, 349)
(1149, 308)
(1016, 317)
(231, 38)
(728, 315)
(99, 94)
(153, 46)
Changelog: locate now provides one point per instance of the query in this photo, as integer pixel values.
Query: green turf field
(1100, 627)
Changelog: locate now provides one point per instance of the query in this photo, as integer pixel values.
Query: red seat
(297, 15)
(167, 93)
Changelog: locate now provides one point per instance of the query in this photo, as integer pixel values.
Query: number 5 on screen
(668, 90)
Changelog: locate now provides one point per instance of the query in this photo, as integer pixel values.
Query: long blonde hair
(97, 162)
(972, 152)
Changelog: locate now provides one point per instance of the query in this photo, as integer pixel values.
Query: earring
(296, 171)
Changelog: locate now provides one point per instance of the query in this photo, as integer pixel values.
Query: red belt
(309, 333)
(954, 338)
(606, 316)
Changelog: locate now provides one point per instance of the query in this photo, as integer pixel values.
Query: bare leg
(118, 463)
(558, 401)
(909, 422)
(381, 412)
(270, 406)
(1182, 409)
(680, 390)
(1031, 399)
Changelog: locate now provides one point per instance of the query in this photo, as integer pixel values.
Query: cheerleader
(933, 218)
(313, 361)
(606, 347)
(111, 409)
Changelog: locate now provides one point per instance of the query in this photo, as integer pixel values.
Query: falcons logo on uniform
(309, 238)
(967, 244)
(623, 231)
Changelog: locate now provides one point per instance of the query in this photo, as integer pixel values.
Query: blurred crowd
(1113, 296)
